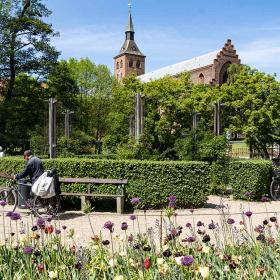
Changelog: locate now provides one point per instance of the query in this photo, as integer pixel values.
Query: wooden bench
(85, 196)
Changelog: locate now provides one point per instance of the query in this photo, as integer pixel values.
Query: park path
(85, 226)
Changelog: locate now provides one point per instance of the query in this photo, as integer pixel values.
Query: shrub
(149, 180)
(249, 176)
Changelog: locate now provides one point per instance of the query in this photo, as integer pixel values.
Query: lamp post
(52, 127)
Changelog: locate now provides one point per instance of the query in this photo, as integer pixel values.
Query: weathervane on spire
(129, 4)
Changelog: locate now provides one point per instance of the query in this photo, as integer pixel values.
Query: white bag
(44, 186)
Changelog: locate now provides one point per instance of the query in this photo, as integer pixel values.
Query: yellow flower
(205, 249)
(236, 259)
(165, 247)
(204, 271)
(163, 268)
(226, 268)
(160, 261)
(119, 277)
(53, 274)
(132, 262)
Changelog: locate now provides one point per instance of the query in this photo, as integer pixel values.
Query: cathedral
(210, 68)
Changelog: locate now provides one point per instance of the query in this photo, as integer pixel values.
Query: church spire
(130, 59)
(129, 30)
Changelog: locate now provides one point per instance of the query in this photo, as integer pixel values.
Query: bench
(86, 196)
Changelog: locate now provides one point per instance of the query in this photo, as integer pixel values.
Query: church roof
(175, 69)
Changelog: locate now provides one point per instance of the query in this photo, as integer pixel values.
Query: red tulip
(147, 263)
(40, 267)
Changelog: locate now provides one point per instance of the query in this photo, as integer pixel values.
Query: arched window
(130, 63)
(138, 64)
(223, 77)
(121, 66)
(118, 65)
(201, 79)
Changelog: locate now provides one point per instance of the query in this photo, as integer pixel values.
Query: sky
(169, 31)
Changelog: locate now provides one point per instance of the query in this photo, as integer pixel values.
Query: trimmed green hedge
(249, 176)
(154, 181)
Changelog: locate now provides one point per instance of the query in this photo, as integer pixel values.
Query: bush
(249, 176)
(152, 181)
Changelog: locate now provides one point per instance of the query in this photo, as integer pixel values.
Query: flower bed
(229, 249)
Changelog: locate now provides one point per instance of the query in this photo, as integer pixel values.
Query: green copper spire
(130, 23)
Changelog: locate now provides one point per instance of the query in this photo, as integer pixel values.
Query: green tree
(24, 41)
(252, 100)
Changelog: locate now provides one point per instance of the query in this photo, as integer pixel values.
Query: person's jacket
(34, 169)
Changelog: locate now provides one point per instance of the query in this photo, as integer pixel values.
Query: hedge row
(249, 176)
(154, 181)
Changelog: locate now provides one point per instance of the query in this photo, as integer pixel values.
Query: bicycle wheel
(45, 207)
(275, 190)
(10, 196)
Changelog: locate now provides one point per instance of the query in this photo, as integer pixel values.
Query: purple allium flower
(3, 203)
(264, 199)
(15, 216)
(57, 231)
(124, 226)
(230, 221)
(132, 217)
(172, 198)
(28, 250)
(135, 200)
(200, 224)
(64, 227)
(248, 214)
(9, 214)
(109, 225)
(40, 222)
(191, 239)
(187, 260)
(248, 194)
(188, 225)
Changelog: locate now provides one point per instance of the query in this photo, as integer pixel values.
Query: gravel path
(83, 231)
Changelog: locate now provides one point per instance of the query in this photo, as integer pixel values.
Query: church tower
(130, 59)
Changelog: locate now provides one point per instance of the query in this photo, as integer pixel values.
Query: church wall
(206, 72)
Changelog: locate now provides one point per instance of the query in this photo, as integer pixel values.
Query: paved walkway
(86, 226)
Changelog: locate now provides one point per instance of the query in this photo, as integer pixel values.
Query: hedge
(249, 176)
(154, 181)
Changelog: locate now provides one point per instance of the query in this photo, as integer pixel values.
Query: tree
(252, 99)
(24, 41)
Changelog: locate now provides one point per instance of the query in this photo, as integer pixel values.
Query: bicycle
(39, 207)
(275, 183)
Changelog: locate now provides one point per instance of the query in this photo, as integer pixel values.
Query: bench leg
(84, 201)
(120, 205)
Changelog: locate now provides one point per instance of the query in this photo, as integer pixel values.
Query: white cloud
(262, 54)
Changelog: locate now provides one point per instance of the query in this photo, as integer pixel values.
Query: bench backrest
(93, 181)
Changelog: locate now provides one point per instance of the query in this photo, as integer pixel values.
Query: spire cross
(129, 4)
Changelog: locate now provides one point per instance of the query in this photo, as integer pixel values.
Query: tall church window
(118, 65)
(201, 79)
(130, 63)
(121, 66)
(138, 64)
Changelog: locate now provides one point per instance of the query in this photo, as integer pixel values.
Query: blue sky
(168, 31)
